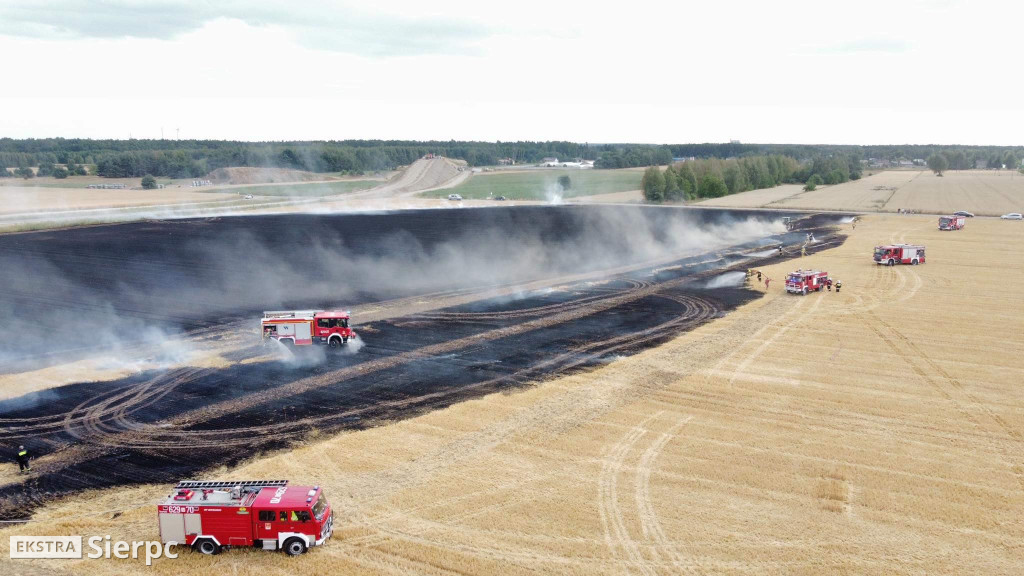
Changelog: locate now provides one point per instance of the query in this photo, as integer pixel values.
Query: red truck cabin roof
(333, 314)
(286, 497)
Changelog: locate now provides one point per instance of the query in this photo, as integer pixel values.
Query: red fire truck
(305, 327)
(899, 254)
(804, 281)
(951, 222)
(266, 514)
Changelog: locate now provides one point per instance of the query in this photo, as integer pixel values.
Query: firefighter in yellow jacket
(23, 465)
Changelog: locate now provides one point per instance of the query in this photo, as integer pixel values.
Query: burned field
(618, 280)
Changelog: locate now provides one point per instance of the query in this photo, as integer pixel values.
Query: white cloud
(644, 72)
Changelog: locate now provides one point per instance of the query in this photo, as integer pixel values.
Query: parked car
(964, 213)
(500, 198)
(454, 197)
(248, 196)
(1012, 216)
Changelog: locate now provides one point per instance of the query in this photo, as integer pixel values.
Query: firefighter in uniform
(23, 465)
(839, 284)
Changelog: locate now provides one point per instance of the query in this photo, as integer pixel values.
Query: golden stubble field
(879, 430)
(985, 192)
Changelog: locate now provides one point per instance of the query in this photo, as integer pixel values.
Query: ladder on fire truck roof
(289, 313)
(200, 484)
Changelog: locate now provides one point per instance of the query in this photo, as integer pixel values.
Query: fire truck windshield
(319, 508)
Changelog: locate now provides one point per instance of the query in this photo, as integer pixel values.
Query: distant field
(540, 184)
(300, 189)
(83, 181)
(984, 192)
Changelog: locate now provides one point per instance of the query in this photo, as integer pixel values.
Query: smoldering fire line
(94, 288)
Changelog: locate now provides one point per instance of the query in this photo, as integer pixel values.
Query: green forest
(715, 177)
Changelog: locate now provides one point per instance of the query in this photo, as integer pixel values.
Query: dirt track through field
(422, 175)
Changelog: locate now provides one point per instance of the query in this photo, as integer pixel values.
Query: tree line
(193, 158)
(716, 177)
(969, 156)
(959, 160)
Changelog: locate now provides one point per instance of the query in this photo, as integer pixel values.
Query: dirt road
(422, 175)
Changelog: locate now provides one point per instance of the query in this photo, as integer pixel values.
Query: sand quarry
(879, 430)
(32, 205)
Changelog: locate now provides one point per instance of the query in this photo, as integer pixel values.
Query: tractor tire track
(613, 524)
(950, 388)
(649, 524)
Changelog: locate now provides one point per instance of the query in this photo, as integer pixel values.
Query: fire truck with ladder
(265, 514)
(899, 254)
(951, 222)
(305, 327)
(804, 281)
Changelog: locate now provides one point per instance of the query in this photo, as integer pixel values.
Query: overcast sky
(897, 71)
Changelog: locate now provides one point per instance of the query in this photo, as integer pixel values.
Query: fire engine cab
(266, 514)
(305, 327)
(804, 281)
(951, 222)
(899, 254)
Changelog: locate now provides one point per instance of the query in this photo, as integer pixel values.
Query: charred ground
(163, 425)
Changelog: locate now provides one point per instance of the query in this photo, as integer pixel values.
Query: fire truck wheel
(892, 262)
(805, 290)
(334, 342)
(206, 546)
(294, 546)
(914, 262)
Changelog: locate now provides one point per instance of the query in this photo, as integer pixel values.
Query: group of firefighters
(803, 252)
(767, 281)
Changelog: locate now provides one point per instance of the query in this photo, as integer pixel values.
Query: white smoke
(726, 280)
(353, 346)
(554, 194)
(242, 269)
